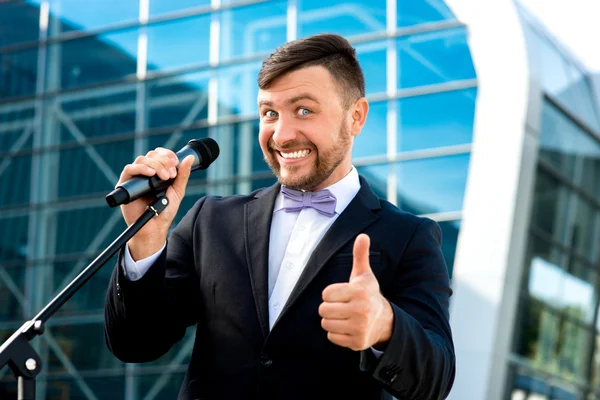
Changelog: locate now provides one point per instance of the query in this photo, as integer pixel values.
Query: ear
(359, 111)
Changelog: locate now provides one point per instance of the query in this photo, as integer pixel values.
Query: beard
(327, 161)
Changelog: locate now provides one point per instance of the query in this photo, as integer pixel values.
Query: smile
(295, 154)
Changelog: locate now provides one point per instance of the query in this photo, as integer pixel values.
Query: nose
(284, 132)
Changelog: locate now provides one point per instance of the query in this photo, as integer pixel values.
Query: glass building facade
(556, 348)
(85, 86)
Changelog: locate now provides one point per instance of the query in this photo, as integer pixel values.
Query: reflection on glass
(252, 29)
(372, 59)
(539, 335)
(91, 175)
(434, 57)
(95, 59)
(436, 120)
(16, 171)
(432, 185)
(178, 100)
(158, 7)
(16, 128)
(450, 230)
(372, 141)
(583, 227)
(590, 172)
(11, 308)
(345, 18)
(572, 346)
(18, 73)
(179, 43)
(76, 15)
(418, 12)
(238, 90)
(550, 205)
(377, 177)
(526, 385)
(25, 16)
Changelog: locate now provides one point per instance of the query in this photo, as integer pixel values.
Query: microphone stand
(18, 353)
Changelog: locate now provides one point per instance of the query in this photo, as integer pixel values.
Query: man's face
(305, 132)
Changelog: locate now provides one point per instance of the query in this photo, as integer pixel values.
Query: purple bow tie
(295, 200)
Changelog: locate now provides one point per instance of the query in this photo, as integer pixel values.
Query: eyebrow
(295, 99)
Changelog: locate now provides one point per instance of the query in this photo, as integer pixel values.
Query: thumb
(183, 175)
(360, 264)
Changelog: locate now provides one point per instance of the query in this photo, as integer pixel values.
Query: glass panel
(432, 185)
(550, 205)
(344, 18)
(12, 284)
(20, 22)
(158, 7)
(377, 177)
(436, 120)
(169, 391)
(538, 336)
(84, 346)
(560, 140)
(94, 113)
(372, 59)
(434, 57)
(580, 93)
(583, 226)
(590, 169)
(417, 12)
(179, 43)
(13, 172)
(572, 346)
(179, 100)
(450, 230)
(98, 167)
(238, 90)
(373, 139)
(526, 385)
(16, 127)
(18, 73)
(77, 15)
(95, 59)
(253, 29)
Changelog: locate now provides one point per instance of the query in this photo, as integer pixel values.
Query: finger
(161, 164)
(183, 175)
(340, 326)
(335, 310)
(132, 170)
(340, 339)
(360, 253)
(339, 292)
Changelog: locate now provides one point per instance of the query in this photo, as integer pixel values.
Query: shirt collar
(344, 190)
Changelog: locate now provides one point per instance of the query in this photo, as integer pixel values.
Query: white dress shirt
(293, 237)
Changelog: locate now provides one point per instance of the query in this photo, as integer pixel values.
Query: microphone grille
(208, 150)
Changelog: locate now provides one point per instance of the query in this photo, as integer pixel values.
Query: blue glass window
(345, 18)
(158, 7)
(253, 29)
(16, 127)
(238, 89)
(178, 100)
(14, 172)
(434, 57)
(412, 12)
(372, 141)
(179, 43)
(377, 177)
(18, 73)
(372, 59)
(450, 230)
(22, 20)
(436, 120)
(76, 15)
(432, 185)
(95, 59)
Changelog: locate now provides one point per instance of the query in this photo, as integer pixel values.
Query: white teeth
(295, 154)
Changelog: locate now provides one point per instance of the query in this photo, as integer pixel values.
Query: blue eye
(270, 114)
(303, 111)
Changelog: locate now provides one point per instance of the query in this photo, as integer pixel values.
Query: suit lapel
(354, 219)
(257, 228)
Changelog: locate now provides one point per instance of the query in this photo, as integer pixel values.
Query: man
(297, 292)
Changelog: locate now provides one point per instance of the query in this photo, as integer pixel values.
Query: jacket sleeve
(418, 362)
(144, 318)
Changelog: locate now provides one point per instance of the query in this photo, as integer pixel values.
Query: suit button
(265, 361)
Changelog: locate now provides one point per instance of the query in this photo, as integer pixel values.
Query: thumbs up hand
(355, 314)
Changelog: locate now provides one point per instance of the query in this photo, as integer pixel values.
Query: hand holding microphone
(158, 171)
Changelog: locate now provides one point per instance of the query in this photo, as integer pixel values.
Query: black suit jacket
(214, 273)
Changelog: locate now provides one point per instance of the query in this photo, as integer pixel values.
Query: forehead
(315, 81)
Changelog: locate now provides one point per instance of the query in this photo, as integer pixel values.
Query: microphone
(205, 151)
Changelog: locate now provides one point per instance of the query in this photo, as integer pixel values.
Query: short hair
(330, 51)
